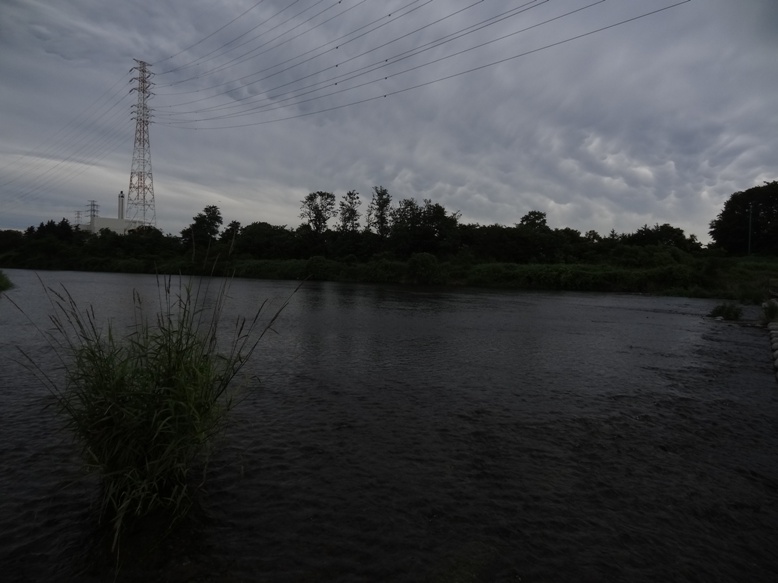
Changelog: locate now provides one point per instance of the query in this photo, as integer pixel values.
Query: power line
(382, 63)
(276, 104)
(240, 59)
(75, 151)
(447, 77)
(383, 20)
(59, 169)
(205, 38)
(86, 119)
(100, 149)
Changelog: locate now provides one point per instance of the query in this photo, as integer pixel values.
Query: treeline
(390, 231)
(406, 241)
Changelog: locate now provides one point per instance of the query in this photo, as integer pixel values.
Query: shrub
(727, 310)
(271, 269)
(5, 283)
(322, 269)
(770, 310)
(144, 408)
(383, 271)
(423, 269)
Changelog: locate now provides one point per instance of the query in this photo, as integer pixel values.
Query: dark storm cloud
(657, 120)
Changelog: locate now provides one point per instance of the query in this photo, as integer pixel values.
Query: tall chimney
(121, 204)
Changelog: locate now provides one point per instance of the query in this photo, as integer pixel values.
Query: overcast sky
(491, 108)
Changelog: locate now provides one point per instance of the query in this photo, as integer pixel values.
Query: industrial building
(95, 223)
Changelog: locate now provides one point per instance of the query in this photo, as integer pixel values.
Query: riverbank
(740, 279)
(772, 327)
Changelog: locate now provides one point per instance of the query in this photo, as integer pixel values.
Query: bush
(271, 269)
(383, 271)
(770, 310)
(727, 311)
(423, 269)
(5, 283)
(145, 408)
(321, 269)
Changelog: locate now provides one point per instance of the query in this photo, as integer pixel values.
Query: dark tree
(51, 245)
(426, 228)
(407, 215)
(61, 231)
(150, 244)
(316, 209)
(439, 229)
(748, 221)
(265, 241)
(665, 235)
(202, 233)
(229, 234)
(379, 212)
(535, 220)
(535, 239)
(349, 212)
(10, 240)
(568, 245)
(491, 242)
(406, 222)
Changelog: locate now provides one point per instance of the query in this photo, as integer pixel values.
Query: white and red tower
(140, 197)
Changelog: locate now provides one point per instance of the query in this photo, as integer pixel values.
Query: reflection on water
(404, 433)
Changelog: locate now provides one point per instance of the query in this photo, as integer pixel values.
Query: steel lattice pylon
(140, 197)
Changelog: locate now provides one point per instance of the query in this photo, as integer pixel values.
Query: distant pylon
(94, 209)
(140, 197)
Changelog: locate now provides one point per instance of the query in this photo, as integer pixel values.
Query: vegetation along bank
(423, 243)
(5, 283)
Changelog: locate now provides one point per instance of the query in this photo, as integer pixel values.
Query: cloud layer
(655, 120)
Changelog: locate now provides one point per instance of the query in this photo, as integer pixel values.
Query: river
(412, 434)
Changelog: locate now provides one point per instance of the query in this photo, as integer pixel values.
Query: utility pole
(140, 197)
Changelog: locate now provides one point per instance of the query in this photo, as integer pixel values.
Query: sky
(605, 115)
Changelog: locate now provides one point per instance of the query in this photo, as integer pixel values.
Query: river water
(406, 434)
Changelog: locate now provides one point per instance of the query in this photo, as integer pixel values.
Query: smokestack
(121, 204)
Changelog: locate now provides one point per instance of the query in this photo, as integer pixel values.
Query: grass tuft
(5, 283)
(727, 311)
(144, 407)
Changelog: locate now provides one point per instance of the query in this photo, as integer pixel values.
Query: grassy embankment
(740, 279)
(743, 279)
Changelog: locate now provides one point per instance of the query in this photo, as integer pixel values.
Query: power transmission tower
(94, 209)
(140, 197)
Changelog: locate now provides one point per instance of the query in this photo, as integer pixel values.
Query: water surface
(404, 434)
